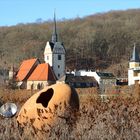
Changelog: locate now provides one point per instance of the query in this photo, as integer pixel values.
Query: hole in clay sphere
(45, 97)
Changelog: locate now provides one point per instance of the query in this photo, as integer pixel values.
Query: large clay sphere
(44, 107)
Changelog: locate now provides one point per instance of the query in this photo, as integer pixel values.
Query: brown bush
(136, 92)
(118, 118)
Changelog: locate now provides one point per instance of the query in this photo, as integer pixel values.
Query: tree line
(93, 42)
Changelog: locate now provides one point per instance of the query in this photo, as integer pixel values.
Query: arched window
(42, 85)
(32, 86)
(39, 86)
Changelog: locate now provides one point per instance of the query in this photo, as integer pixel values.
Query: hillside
(94, 42)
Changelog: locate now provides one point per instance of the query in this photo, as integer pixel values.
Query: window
(59, 57)
(39, 86)
(58, 66)
(58, 75)
(47, 57)
(32, 86)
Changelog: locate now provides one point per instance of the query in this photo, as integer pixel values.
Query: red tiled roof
(25, 68)
(43, 72)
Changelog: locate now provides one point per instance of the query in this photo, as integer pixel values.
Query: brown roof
(106, 75)
(25, 68)
(85, 79)
(43, 72)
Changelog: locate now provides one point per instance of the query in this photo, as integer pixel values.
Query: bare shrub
(136, 92)
(119, 118)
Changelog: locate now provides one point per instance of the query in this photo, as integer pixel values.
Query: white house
(134, 68)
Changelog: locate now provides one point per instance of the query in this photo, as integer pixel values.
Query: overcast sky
(13, 12)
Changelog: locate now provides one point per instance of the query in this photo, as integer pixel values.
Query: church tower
(134, 61)
(54, 35)
(54, 54)
(134, 68)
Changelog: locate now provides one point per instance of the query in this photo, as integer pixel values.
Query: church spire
(135, 55)
(54, 35)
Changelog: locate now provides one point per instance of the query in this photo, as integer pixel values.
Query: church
(134, 68)
(33, 74)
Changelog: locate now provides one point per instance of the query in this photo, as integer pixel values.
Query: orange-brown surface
(43, 72)
(45, 106)
(25, 68)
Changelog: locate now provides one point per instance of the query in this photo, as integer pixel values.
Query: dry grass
(119, 118)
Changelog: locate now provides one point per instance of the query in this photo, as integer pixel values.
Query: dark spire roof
(54, 35)
(135, 55)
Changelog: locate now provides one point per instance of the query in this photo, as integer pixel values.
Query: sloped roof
(25, 68)
(135, 55)
(43, 72)
(81, 79)
(106, 75)
(52, 45)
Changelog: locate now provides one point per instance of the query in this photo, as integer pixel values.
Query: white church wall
(48, 58)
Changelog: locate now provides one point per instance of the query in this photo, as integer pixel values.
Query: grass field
(118, 118)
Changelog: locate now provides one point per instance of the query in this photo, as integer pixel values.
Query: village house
(80, 81)
(104, 79)
(33, 75)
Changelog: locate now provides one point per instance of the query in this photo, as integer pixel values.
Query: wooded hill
(93, 42)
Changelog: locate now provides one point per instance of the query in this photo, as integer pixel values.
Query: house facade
(101, 77)
(34, 75)
(25, 70)
(80, 81)
(104, 79)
